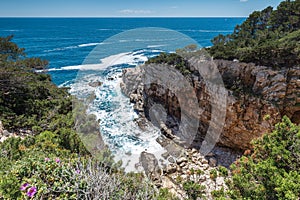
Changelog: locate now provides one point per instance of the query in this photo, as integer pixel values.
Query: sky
(132, 8)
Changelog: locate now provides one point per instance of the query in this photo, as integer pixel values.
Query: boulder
(150, 164)
(212, 161)
(181, 160)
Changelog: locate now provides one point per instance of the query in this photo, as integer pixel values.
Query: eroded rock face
(253, 93)
(150, 165)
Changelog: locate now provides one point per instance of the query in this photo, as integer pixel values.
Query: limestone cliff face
(253, 93)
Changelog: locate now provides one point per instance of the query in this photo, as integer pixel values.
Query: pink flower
(57, 160)
(24, 186)
(47, 159)
(31, 191)
(78, 171)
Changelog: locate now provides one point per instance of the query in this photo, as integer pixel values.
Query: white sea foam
(117, 125)
(118, 59)
(156, 46)
(76, 46)
(88, 44)
(129, 58)
(118, 128)
(61, 48)
(205, 31)
(124, 40)
(215, 31)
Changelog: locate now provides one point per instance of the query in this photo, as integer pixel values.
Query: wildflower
(78, 171)
(31, 191)
(24, 186)
(57, 160)
(47, 159)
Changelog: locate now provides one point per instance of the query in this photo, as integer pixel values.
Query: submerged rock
(95, 84)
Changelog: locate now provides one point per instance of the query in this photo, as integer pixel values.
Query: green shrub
(273, 170)
(213, 174)
(193, 190)
(223, 171)
(268, 37)
(219, 194)
(164, 194)
(53, 177)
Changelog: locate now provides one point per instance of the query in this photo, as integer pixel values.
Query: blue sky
(131, 8)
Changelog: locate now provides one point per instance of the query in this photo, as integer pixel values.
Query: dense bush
(52, 162)
(273, 170)
(27, 98)
(59, 174)
(40, 169)
(268, 37)
(172, 59)
(194, 190)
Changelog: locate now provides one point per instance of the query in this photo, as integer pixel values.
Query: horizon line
(123, 16)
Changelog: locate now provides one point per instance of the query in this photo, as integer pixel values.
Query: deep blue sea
(110, 45)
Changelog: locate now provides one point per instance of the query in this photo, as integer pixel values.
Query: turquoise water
(67, 41)
(109, 45)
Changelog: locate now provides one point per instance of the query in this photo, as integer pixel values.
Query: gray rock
(211, 154)
(6, 133)
(212, 162)
(194, 151)
(171, 169)
(171, 160)
(181, 160)
(220, 181)
(204, 161)
(95, 84)
(205, 166)
(165, 155)
(182, 165)
(150, 165)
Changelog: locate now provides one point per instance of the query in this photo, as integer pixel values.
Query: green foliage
(199, 172)
(52, 160)
(223, 171)
(219, 194)
(27, 161)
(58, 173)
(172, 59)
(164, 194)
(268, 37)
(273, 170)
(193, 190)
(179, 60)
(27, 98)
(213, 174)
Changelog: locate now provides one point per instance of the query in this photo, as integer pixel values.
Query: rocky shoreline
(253, 93)
(188, 167)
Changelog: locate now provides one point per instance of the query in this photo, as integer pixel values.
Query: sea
(84, 50)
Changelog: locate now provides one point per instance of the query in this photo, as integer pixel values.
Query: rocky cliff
(257, 98)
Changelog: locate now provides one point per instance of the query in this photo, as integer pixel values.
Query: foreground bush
(53, 173)
(273, 170)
